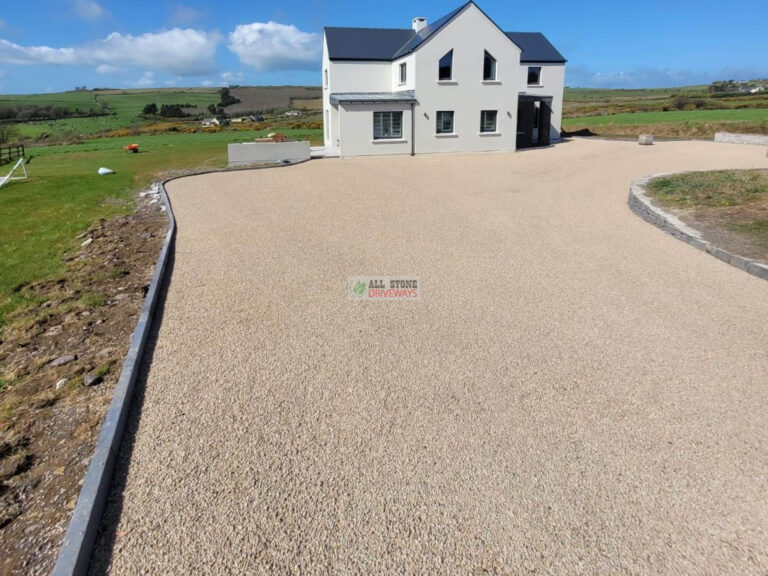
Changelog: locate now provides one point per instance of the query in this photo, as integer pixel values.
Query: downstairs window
(387, 125)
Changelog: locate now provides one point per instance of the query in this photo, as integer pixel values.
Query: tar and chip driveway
(575, 392)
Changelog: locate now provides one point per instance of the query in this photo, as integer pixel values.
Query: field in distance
(683, 112)
(110, 110)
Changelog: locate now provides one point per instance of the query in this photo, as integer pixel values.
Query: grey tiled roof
(387, 44)
(535, 47)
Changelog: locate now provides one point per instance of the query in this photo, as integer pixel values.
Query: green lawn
(590, 94)
(672, 116)
(64, 195)
(124, 106)
(71, 100)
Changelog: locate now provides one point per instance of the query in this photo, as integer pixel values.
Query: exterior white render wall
(469, 35)
(356, 127)
(330, 116)
(410, 69)
(346, 76)
(552, 84)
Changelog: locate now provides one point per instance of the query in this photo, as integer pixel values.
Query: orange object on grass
(131, 148)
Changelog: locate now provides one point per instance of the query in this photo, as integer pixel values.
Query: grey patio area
(575, 392)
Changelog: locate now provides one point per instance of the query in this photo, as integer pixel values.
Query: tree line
(48, 112)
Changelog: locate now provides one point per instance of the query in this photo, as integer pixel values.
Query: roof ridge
(367, 28)
(431, 30)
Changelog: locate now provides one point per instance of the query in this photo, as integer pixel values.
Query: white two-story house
(460, 84)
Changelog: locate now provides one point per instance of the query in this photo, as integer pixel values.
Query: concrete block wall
(731, 138)
(267, 152)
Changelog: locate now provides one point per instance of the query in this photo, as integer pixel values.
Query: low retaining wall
(267, 152)
(641, 205)
(731, 138)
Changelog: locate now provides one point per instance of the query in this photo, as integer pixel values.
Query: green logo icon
(359, 288)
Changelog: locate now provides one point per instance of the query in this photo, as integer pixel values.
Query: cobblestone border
(641, 205)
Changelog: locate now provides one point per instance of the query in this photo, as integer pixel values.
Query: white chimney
(419, 23)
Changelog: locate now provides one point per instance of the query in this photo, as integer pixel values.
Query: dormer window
(445, 70)
(489, 67)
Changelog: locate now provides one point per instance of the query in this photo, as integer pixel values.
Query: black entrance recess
(534, 114)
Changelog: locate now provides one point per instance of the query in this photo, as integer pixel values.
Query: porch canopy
(404, 97)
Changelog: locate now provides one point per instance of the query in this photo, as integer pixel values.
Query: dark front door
(534, 120)
(545, 121)
(525, 121)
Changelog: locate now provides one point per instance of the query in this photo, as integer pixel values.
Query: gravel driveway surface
(576, 392)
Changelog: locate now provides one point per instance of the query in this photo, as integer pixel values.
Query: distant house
(211, 122)
(458, 84)
(756, 89)
(293, 113)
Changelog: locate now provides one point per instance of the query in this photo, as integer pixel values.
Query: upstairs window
(325, 79)
(489, 67)
(534, 75)
(488, 121)
(387, 125)
(445, 70)
(444, 122)
(403, 73)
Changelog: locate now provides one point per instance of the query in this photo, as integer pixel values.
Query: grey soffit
(535, 48)
(388, 44)
(406, 96)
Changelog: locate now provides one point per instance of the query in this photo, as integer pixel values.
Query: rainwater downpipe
(413, 129)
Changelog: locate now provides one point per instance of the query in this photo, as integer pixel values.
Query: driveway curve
(576, 391)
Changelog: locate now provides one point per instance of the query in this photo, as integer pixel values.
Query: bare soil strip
(78, 334)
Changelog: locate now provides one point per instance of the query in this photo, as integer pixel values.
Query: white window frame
(494, 67)
(403, 73)
(386, 125)
(438, 117)
(450, 76)
(325, 77)
(540, 69)
(484, 122)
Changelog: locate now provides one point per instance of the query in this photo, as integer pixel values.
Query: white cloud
(147, 80)
(184, 15)
(273, 46)
(106, 69)
(182, 52)
(206, 83)
(232, 77)
(87, 9)
(637, 78)
(580, 77)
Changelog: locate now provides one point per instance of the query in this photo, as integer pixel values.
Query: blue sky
(53, 45)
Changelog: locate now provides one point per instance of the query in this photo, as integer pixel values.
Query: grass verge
(64, 195)
(730, 207)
